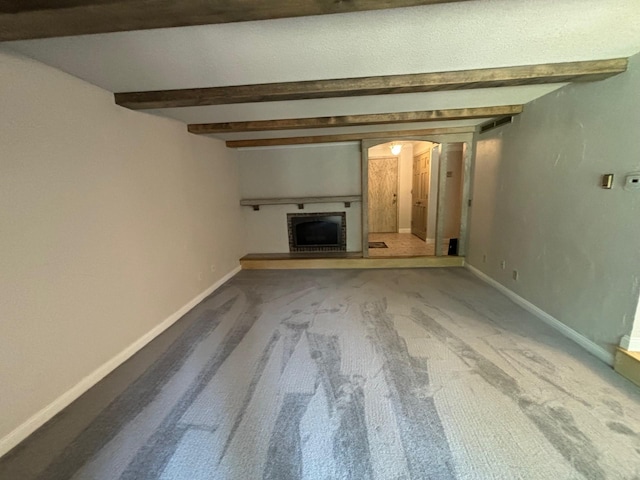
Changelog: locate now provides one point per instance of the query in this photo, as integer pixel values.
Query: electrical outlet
(503, 264)
(632, 182)
(515, 274)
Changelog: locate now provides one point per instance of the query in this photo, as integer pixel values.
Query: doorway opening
(403, 203)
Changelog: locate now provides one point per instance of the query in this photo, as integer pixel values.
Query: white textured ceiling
(453, 36)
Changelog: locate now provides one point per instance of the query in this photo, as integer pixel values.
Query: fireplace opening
(317, 232)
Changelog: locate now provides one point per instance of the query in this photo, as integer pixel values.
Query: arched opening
(416, 197)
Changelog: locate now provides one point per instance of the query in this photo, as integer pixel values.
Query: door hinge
(469, 202)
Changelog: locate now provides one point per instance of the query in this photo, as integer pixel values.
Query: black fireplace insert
(317, 232)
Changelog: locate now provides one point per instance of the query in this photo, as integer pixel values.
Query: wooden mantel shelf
(300, 201)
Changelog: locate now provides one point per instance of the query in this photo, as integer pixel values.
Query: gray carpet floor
(350, 374)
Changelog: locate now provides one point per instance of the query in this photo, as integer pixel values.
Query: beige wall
(319, 170)
(537, 204)
(453, 192)
(110, 222)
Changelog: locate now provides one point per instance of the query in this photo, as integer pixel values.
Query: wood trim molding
(28, 19)
(627, 364)
(468, 161)
(353, 120)
(442, 196)
(347, 137)
(249, 263)
(364, 189)
(256, 203)
(587, 71)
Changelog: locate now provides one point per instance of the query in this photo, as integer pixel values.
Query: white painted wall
(632, 340)
(110, 221)
(319, 170)
(537, 204)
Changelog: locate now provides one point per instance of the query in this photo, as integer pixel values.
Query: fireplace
(317, 232)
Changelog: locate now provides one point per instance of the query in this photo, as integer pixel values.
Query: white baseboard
(44, 415)
(404, 230)
(568, 332)
(630, 343)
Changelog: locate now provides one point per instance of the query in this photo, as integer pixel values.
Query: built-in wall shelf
(300, 201)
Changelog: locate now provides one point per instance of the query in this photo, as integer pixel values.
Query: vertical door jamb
(467, 168)
(364, 188)
(398, 192)
(442, 183)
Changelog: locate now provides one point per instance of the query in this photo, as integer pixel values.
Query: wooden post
(364, 180)
(442, 191)
(467, 167)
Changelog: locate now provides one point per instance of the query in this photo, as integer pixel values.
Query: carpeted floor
(350, 374)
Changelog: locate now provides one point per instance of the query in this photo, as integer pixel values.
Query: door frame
(397, 157)
(469, 148)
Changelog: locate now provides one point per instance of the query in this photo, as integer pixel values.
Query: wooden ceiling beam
(353, 120)
(27, 19)
(346, 137)
(587, 71)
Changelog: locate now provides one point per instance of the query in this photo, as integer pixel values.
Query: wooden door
(383, 195)
(420, 194)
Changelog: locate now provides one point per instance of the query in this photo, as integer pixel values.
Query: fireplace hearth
(317, 232)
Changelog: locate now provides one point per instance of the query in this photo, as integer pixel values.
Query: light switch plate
(607, 181)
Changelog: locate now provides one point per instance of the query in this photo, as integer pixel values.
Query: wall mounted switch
(607, 181)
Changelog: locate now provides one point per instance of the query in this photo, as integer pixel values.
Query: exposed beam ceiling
(352, 120)
(28, 19)
(382, 85)
(347, 137)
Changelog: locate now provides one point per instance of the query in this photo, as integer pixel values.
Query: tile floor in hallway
(403, 245)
